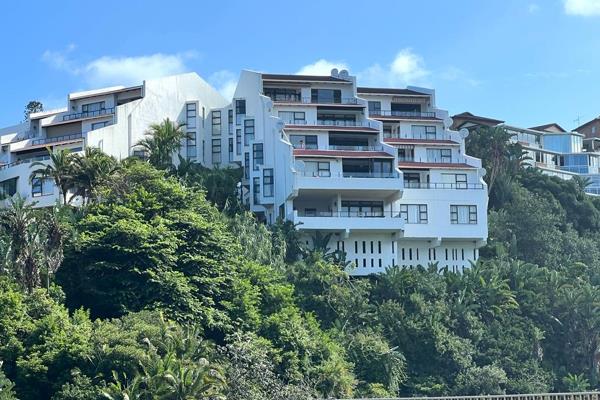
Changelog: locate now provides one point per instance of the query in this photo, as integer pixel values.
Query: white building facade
(378, 168)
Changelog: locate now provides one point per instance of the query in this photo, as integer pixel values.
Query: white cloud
(107, 70)
(321, 67)
(407, 68)
(225, 82)
(586, 8)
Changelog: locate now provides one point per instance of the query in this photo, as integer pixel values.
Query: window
(246, 164)
(240, 111)
(191, 145)
(439, 155)
(317, 168)
(8, 188)
(238, 142)
(310, 212)
(216, 151)
(336, 119)
(257, 155)
(454, 181)
(42, 187)
(375, 107)
(414, 213)
(230, 122)
(304, 141)
(191, 113)
(268, 182)
(256, 189)
(412, 180)
(280, 94)
(406, 153)
(248, 131)
(230, 149)
(353, 208)
(93, 107)
(98, 125)
(325, 96)
(293, 117)
(423, 132)
(216, 123)
(463, 214)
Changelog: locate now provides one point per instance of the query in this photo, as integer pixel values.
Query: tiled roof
(546, 126)
(341, 153)
(467, 115)
(372, 90)
(423, 165)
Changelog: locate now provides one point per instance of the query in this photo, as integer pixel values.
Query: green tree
(60, 170)
(93, 171)
(33, 106)
(161, 141)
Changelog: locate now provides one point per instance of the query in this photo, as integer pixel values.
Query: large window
(304, 141)
(191, 114)
(216, 151)
(293, 117)
(268, 182)
(246, 165)
(93, 107)
(406, 153)
(238, 142)
(256, 190)
(230, 122)
(42, 187)
(423, 132)
(281, 94)
(375, 107)
(257, 155)
(240, 111)
(248, 131)
(356, 208)
(326, 96)
(439, 155)
(336, 119)
(463, 214)
(414, 213)
(412, 180)
(191, 145)
(216, 123)
(455, 181)
(230, 149)
(98, 125)
(317, 168)
(8, 188)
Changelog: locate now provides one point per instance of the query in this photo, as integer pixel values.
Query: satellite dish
(344, 74)
(447, 122)
(335, 72)
(483, 171)
(299, 166)
(464, 132)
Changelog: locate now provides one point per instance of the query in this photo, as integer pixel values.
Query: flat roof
(306, 78)
(392, 91)
(103, 91)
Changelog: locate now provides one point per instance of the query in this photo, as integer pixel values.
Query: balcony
(383, 221)
(385, 186)
(297, 99)
(25, 161)
(418, 137)
(370, 126)
(368, 175)
(64, 138)
(88, 114)
(456, 186)
(354, 148)
(402, 114)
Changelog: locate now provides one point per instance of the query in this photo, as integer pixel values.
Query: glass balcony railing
(405, 114)
(56, 139)
(354, 148)
(24, 161)
(350, 214)
(325, 122)
(429, 185)
(296, 98)
(417, 135)
(328, 174)
(88, 114)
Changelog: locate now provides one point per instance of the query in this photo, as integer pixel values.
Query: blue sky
(527, 62)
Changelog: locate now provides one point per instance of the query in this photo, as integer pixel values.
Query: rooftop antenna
(578, 120)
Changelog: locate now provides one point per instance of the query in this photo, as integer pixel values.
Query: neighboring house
(378, 168)
(550, 148)
(590, 129)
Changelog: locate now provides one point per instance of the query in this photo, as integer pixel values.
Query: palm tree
(161, 141)
(91, 171)
(60, 170)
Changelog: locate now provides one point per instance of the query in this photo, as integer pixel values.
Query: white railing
(327, 174)
(323, 122)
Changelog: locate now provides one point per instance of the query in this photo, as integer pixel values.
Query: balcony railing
(24, 161)
(88, 114)
(404, 114)
(323, 122)
(292, 98)
(56, 139)
(428, 185)
(351, 214)
(327, 174)
(355, 148)
(419, 136)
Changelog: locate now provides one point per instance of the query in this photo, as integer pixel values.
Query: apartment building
(113, 119)
(378, 168)
(549, 148)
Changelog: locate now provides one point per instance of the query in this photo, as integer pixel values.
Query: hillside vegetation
(163, 287)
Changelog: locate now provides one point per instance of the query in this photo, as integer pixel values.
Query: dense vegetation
(160, 286)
